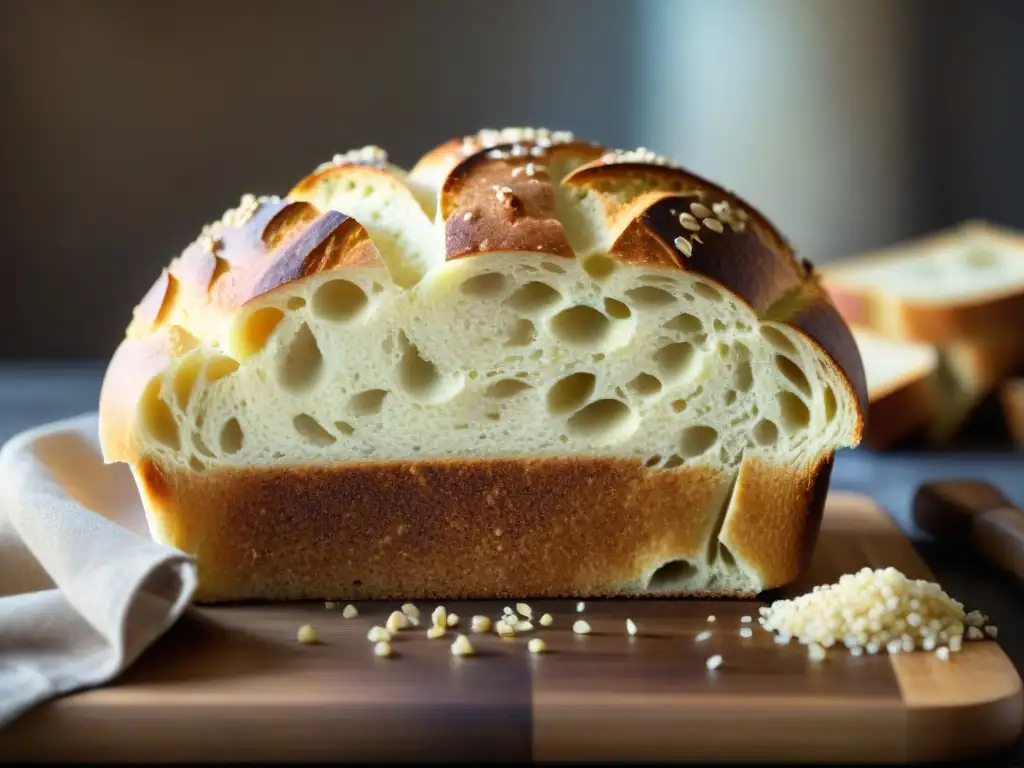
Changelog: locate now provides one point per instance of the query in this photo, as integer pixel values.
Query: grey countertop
(38, 392)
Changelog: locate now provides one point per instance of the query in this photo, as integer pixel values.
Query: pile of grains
(876, 610)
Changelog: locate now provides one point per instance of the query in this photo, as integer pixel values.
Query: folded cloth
(84, 590)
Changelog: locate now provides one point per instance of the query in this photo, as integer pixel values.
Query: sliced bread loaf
(530, 366)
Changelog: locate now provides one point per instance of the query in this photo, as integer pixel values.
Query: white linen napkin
(84, 590)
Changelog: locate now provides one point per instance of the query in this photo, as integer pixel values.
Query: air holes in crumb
(744, 376)
(185, 380)
(553, 268)
(674, 360)
(705, 290)
(616, 309)
(795, 414)
(296, 302)
(200, 445)
(649, 297)
(830, 404)
(196, 464)
(533, 297)
(485, 286)
(311, 430)
(792, 371)
(581, 326)
(644, 385)
(256, 329)
(673, 461)
(673, 575)
(344, 427)
(730, 397)
(599, 267)
(506, 388)
(685, 323)
(368, 402)
(697, 440)
(777, 339)
(300, 363)
(419, 377)
(765, 432)
(231, 436)
(339, 301)
(157, 418)
(219, 367)
(678, 406)
(570, 393)
(603, 421)
(522, 333)
(652, 462)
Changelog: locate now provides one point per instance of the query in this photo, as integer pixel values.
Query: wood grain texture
(232, 683)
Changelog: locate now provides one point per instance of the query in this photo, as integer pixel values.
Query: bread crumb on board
(376, 634)
(714, 662)
(874, 610)
(480, 623)
(546, 620)
(581, 627)
(536, 645)
(307, 635)
(462, 646)
(630, 626)
(396, 621)
(350, 611)
(382, 648)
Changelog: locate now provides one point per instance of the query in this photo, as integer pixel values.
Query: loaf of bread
(961, 290)
(903, 388)
(529, 366)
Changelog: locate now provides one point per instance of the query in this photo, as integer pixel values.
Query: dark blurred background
(127, 125)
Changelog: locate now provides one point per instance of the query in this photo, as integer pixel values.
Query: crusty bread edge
(477, 528)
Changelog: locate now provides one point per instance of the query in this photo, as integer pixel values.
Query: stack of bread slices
(939, 321)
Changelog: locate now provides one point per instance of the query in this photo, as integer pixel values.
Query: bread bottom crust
(487, 528)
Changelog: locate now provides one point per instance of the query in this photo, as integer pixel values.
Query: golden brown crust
(473, 527)
(775, 516)
(499, 201)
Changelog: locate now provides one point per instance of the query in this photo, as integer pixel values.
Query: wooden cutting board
(232, 683)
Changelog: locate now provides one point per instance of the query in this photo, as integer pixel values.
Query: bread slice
(903, 388)
(962, 290)
(529, 367)
(961, 284)
(1012, 397)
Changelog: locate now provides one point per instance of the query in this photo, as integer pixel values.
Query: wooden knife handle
(974, 514)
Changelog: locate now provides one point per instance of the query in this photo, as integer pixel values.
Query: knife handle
(977, 514)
